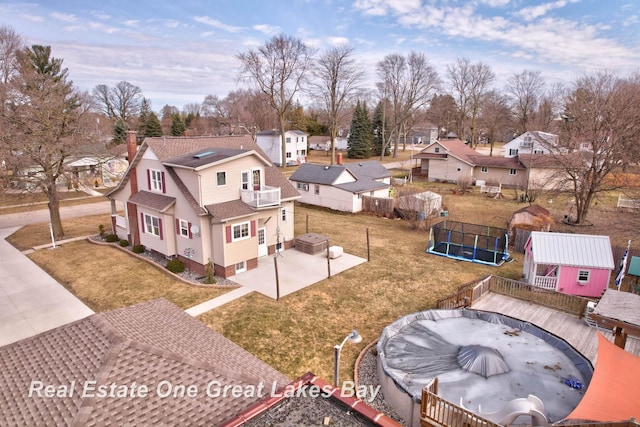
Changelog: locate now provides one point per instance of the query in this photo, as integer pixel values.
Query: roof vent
(204, 154)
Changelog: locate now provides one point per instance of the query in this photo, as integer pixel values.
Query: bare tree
(408, 84)
(494, 117)
(278, 69)
(10, 44)
(336, 86)
(549, 108)
(43, 124)
(121, 102)
(525, 89)
(442, 112)
(603, 121)
(469, 82)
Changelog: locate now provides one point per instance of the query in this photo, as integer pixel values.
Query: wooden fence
(378, 205)
(469, 292)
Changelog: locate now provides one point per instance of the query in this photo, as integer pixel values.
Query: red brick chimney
(132, 209)
(132, 145)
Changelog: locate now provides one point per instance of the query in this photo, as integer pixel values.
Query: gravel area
(368, 375)
(161, 261)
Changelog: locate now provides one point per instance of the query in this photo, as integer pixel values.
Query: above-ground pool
(483, 360)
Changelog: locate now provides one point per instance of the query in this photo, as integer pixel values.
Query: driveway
(30, 300)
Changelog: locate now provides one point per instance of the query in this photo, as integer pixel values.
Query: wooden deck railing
(469, 292)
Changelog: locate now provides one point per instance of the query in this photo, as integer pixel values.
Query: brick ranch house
(204, 199)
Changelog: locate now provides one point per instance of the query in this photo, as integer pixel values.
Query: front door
(262, 242)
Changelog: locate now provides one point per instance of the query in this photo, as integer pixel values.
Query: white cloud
(338, 41)
(216, 24)
(533, 12)
(267, 29)
(63, 17)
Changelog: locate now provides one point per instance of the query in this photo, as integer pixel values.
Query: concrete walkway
(30, 300)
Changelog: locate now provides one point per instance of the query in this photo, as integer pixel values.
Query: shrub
(138, 249)
(124, 243)
(101, 229)
(175, 266)
(112, 238)
(209, 277)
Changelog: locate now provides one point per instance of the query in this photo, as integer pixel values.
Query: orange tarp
(614, 391)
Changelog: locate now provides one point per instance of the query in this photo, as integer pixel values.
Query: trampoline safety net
(469, 242)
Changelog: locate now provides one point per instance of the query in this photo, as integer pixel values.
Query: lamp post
(353, 337)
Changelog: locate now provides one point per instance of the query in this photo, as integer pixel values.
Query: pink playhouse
(575, 264)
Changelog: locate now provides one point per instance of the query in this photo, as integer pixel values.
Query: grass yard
(24, 202)
(106, 278)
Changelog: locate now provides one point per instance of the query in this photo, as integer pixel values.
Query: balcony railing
(266, 196)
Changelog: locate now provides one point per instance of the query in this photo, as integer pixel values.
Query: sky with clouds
(178, 52)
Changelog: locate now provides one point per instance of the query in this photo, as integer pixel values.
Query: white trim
(150, 227)
(183, 226)
(156, 181)
(240, 230)
(218, 180)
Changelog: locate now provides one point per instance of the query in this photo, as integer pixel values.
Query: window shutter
(189, 229)
(228, 232)
(160, 227)
(164, 187)
(148, 180)
(253, 228)
(177, 226)
(142, 222)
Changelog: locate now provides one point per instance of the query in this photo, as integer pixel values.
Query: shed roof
(578, 250)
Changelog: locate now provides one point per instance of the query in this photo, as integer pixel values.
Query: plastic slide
(531, 405)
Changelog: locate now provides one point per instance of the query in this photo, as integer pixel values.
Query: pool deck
(569, 327)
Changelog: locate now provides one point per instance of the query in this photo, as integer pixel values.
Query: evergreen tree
(380, 124)
(120, 132)
(361, 138)
(178, 127)
(152, 127)
(145, 110)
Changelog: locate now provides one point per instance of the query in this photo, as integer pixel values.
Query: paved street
(42, 215)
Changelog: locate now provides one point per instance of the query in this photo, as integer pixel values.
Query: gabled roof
(371, 169)
(362, 185)
(273, 132)
(453, 147)
(496, 161)
(318, 174)
(166, 148)
(577, 250)
(229, 210)
(145, 344)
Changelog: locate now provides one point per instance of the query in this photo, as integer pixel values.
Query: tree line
(45, 119)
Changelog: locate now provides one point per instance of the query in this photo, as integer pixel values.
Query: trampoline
(469, 242)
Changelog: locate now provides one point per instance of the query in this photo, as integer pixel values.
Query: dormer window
(155, 180)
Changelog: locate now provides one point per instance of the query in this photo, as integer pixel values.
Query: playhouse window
(583, 277)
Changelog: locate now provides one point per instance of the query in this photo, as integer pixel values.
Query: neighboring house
(426, 135)
(153, 345)
(204, 199)
(447, 160)
(341, 187)
(508, 172)
(296, 141)
(575, 264)
(531, 142)
(321, 142)
(105, 169)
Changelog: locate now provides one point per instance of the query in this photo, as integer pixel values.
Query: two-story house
(296, 141)
(531, 142)
(204, 199)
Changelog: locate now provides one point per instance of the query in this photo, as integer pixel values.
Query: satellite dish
(195, 229)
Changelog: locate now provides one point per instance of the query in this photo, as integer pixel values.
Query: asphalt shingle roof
(158, 202)
(154, 344)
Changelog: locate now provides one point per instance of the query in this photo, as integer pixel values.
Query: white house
(341, 187)
(296, 141)
(531, 142)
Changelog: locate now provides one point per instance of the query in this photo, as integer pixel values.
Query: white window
(302, 186)
(244, 178)
(513, 151)
(436, 150)
(513, 172)
(583, 277)
(484, 169)
(155, 178)
(288, 154)
(152, 225)
(221, 178)
(316, 189)
(183, 228)
(538, 152)
(288, 140)
(240, 231)
(303, 152)
(283, 215)
(241, 267)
